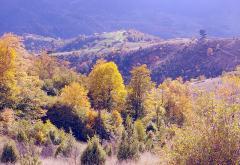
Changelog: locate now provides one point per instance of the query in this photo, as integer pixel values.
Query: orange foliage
(117, 118)
(91, 118)
(177, 100)
(7, 115)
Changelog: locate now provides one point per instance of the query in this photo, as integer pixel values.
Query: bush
(31, 154)
(83, 125)
(128, 148)
(151, 127)
(141, 132)
(21, 136)
(108, 149)
(41, 132)
(66, 146)
(55, 137)
(94, 154)
(149, 143)
(7, 115)
(100, 128)
(66, 117)
(10, 153)
(212, 137)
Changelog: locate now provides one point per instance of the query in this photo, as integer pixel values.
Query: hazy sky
(167, 18)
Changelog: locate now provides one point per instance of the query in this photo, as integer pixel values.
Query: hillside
(119, 82)
(167, 19)
(49, 114)
(186, 57)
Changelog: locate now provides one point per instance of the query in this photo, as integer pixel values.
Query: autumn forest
(51, 113)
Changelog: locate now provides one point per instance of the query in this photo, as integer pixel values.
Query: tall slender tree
(138, 88)
(9, 44)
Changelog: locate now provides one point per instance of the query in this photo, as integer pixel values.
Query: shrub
(212, 137)
(141, 132)
(149, 143)
(7, 115)
(108, 150)
(94, 154)
(66, 146)
(31, 155)
(83, 125)
(100, 128)
(66, 117)
(151, 127)
(41, 132)
(10, 153)
(22, 136)
(56, 137)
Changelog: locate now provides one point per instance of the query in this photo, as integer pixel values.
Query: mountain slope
(167, 19)
(186, 57)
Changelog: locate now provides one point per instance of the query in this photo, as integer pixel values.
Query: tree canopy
(106, 87)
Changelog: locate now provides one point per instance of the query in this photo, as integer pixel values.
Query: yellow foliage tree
(75, 95)
(213, 136)
(106, 87)
(138, 88)
(230, 88)
(117, 119)
(55, 73)
(45, 66)
(9, 44)
(177, 100)
(154, 106)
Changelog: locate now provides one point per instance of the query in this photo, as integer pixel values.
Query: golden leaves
(106, 86)
(75, 95)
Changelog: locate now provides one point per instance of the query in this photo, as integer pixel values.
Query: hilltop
(185, 57)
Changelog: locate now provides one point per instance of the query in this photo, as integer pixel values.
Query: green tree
(106, 87)
(129, 146)
(10, 153)
(138, 88)
(70, 119)
(94, 154)
(203, 34)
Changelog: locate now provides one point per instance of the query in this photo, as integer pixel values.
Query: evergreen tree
(10, 153)
(129, 146)
(94, 154)
(203, 34)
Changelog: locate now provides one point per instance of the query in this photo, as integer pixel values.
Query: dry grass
(52, 161)
(145, 159)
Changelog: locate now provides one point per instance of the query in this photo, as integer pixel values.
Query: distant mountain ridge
(185, 57)
(164, 18)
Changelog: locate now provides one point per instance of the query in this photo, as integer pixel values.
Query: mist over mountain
(165, 18)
